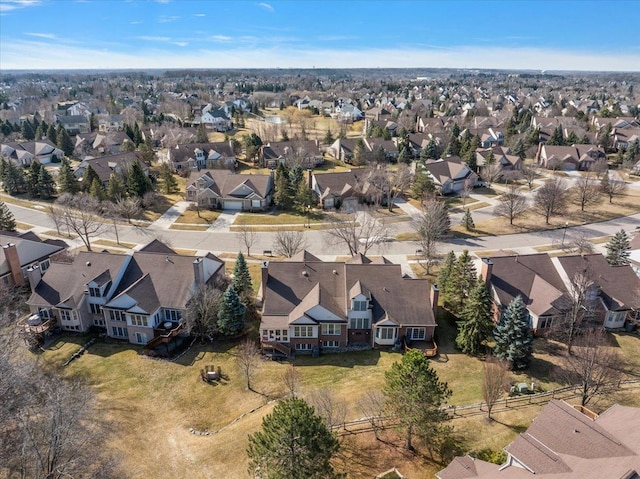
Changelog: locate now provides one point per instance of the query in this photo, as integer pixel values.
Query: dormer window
(359, 305)
(94, 292)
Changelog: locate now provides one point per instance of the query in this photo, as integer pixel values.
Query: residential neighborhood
(193, 254)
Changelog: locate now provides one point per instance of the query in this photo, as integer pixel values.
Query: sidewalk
(223, 223)
(171, 215)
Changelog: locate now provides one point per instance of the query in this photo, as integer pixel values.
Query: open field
(154, 403)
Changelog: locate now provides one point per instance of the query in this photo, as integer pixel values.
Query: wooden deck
(429, 348)
(276, 346)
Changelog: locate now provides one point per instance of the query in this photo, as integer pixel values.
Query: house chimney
(487, 270)
(310, 171)
(265, 278)
(11, 253)
(198, 271)
(435, 295)
(34, 274)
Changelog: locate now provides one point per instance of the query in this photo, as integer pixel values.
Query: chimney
(34, 274)
(435, 295)
(310, 171)
(198, 271)
(11, 253)
(265, 278)
(487, 270)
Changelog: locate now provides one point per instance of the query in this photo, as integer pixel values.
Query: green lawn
(277, 218)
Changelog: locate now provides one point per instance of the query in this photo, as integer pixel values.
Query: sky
(145, 34)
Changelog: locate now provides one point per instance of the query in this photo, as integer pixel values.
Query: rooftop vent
(304, 273)
(88, 263)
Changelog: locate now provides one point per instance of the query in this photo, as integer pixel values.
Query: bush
(489, 455)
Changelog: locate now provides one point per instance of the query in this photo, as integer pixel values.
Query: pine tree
(513, 337)
(461, 282)
(242, 278)
(88, 177)
(231, 313)
(294, 443)
(467, 220)
(618, 249)
(283, 197)
(444, 275)
(63, 141)
(169, 183)
(52, 135)
(201, 134)
(31, 179)
(27, 131)
(13, 179)
(7, 221)
(137, 182)
(46, 184)
(476, 325)
(96, 190)
(303, 198)
(519, 149)
(328, 138)
(115, 188)
(67, 182)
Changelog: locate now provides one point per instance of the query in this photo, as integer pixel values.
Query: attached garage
(233, 205)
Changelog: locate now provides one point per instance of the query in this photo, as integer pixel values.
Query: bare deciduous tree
(291, 380)
(511, 204)
(81, 214)
(467, 188)
(288, 243)
(372, 406)
(576, 307)
(201, 315)
(329, 407)
(128, 208)
(491, 173)
(551, 198)
(586, 191)
(390, 182)
(612, 187)
(494, 381)
(431, 226)
(594, 367)
(248, 360)
(248, 237)
(582, 244)
(529, 173)
(357, 231)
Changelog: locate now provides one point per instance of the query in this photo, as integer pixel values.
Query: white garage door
(232, 205)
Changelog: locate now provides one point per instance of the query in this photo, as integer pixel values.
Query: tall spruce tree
(294, 443)
(46, 184)
(445, 273)
(231, 313)
(13, 179)
(242, 278)
(88, 177)
(513, 336)
(169, 183)
(467, 220)
(460, 283)
(137, 182)
(31, 179)
(476, 323)
(52, 135)
(63, 141)
(67, 182)
(7, 221)
(618, 249)
(115, 188)
(28, 133)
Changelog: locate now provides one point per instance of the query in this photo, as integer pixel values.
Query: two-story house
(311, 305)
(140, 297)
(223, 189)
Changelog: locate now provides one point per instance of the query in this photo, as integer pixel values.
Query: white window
(99, 322)
(330, 344)
(303, 347)
(43, 313)
(141, 338)
(95, 292)
(331, 329)
(120, 332)
(256, 203)
(66, 315)
(417, 334)
(360, 305)
(44, 265)
(280, 335)
(115, 315)
(386, 333)
(359, 323)
(139, 320)
(544, 322)
(303, 331)
(94, 308)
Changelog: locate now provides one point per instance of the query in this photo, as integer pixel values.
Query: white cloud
(136, 22)
(266, 6)
(8, 5)
(22, 55)
(200, 15)
(180, 44)
(221, 38)
(49, 36)
(168, 18)
(149, 38)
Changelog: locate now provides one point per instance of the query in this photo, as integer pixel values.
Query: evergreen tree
(88, 177)
(294, 443)
(618, 249)
(31, 179)
(556, 138)
(52, 135)
(283, 197)
(7, 221)
(67, 182)
(422, 185)
(231, 313)
(513, 337)
(303, 198)
(137, 135)
(461, 281)
(46, 184)
(41, 131)
(404, 156)
(115, 188)
(476, 325)
(28, 133)
(519, 149)
(137, 182)
(431, 150)
(490, 159)
(96, 190)
(242, 278)
(63, 141)
(414, 396)
(445, 273)
(13, 179)
(169, 183)
(201, 134)
(328, 138)
(467, 220)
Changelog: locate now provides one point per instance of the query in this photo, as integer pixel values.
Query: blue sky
(92, 34)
